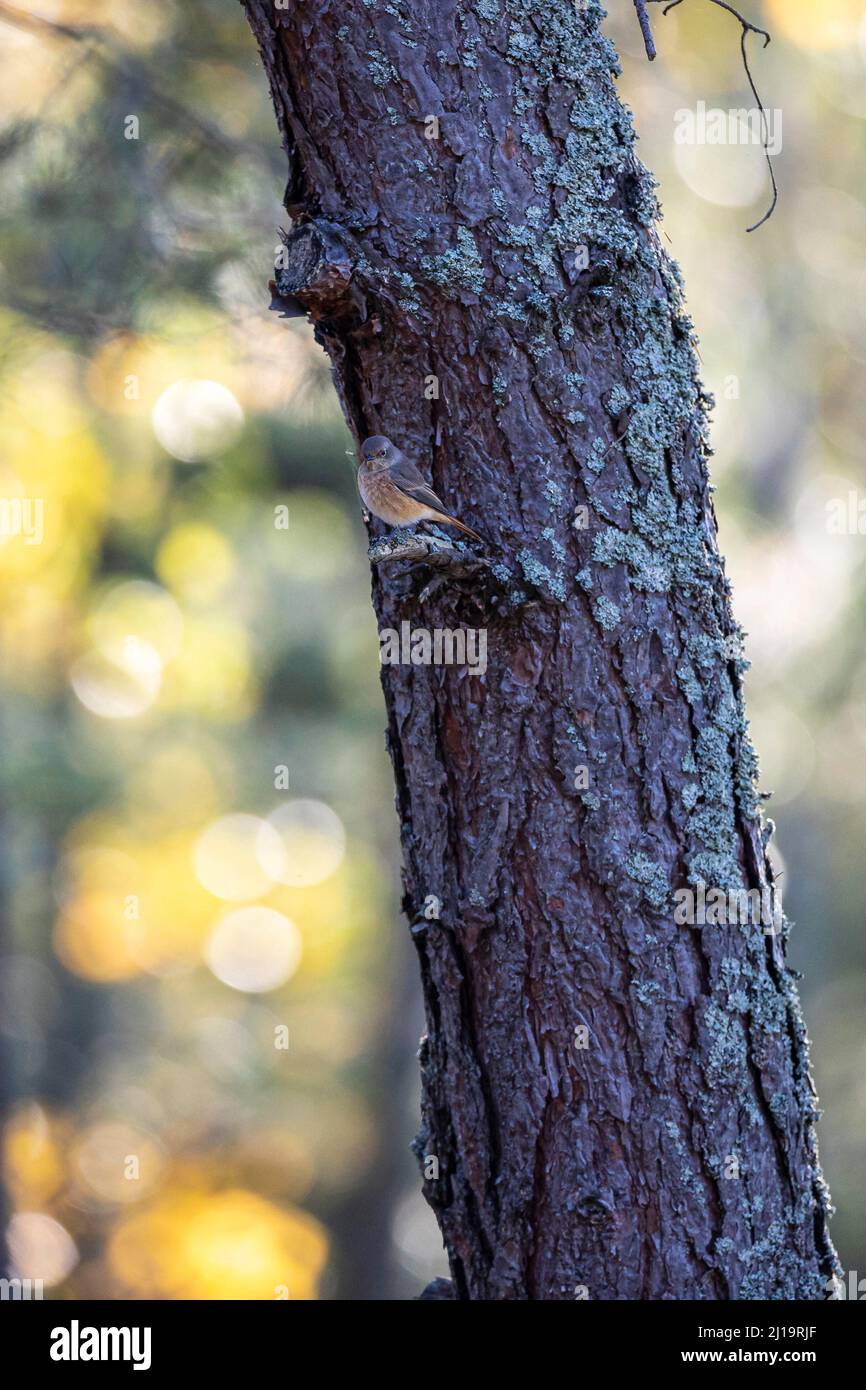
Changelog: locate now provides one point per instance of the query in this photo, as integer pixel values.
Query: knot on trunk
(314, 275)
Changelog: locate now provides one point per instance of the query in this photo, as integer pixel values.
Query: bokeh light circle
(115, 1163)
(141, 611)
(310, 843)
(197, 420)
(41, 1248)
(118, 685)
(730, 175)
(254, 950)
(227, 857)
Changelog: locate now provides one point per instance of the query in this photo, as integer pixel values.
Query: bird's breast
(385, 500)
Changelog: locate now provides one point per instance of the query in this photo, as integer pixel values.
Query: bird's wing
(406, 477)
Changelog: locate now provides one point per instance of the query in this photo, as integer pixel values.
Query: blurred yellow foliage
(129, 372)
(132, 905)
(212, 674)
(34, 77)
(333, 914)
(54, 488)
(133, 901)
(222, 1245)
(34, 1143)
(92, 939)
(817, 24)
(139, 25)
(152, 787)
(196, 562)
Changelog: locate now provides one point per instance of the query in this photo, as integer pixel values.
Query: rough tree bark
(620, 1106)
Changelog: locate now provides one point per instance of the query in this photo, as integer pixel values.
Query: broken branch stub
(315, 275)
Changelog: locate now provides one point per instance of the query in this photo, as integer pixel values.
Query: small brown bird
(393, 489)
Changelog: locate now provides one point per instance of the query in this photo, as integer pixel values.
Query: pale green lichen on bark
(667, 545)
(460, 267)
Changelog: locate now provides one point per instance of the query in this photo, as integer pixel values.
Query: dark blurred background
(207, 994)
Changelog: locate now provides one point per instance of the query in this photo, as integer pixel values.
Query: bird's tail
(461, 526)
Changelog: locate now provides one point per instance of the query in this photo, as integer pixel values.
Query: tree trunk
(617, 1104)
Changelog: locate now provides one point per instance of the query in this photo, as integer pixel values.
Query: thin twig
(646, 30)
(747, 28)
